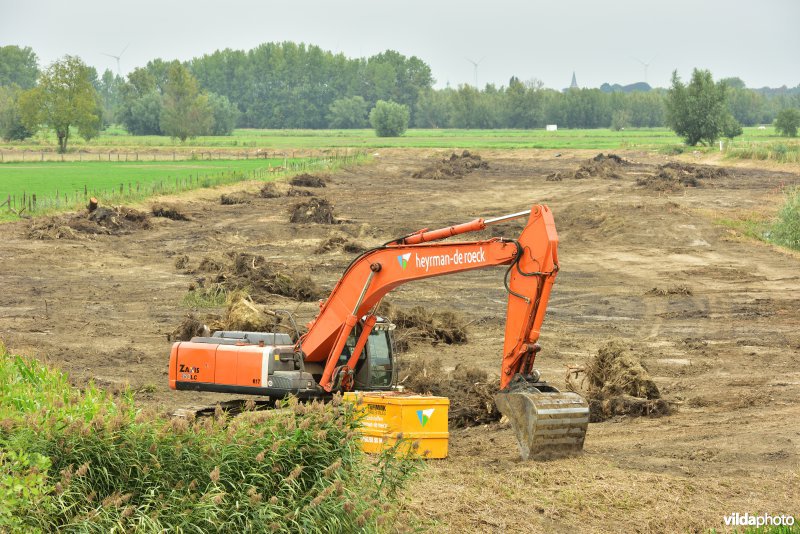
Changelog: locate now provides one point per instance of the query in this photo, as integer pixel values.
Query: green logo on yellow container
(424, 416)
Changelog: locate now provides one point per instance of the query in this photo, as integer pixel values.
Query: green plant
(212, 296)
(786, 231)
(787, 122)
(697, 111)
(23, 485)
(116, 468)
(389, 119)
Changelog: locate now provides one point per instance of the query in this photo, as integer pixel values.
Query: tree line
(290, 85)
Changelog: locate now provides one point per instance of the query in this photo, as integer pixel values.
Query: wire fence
(33, 203)
(27, 156)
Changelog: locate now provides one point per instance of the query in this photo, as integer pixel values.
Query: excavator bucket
(546, 423)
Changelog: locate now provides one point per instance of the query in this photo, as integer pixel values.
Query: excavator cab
(374, 370)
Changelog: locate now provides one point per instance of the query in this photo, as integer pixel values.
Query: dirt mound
(316, 210)
(244, 314)
(270, 190)
(422, 325)
(700, 172)
(295, 192)
(308, 180)
(169, 211)
(674, 176)
(239, 197)
(674, 290)
(209, 265)
(117, 220)
(666, 180)
(258, 276)
(616, 383)
(182, 262)
(339, 243)
(190, 327)
(600, 166)
(470, 390)
(456, 166)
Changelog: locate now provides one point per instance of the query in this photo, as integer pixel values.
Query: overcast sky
(600, 40)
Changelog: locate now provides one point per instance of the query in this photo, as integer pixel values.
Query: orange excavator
(348, 347)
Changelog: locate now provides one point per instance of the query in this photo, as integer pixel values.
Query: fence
(26, 156)
(31, 202)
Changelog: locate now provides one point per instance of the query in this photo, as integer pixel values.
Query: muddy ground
(713, 315)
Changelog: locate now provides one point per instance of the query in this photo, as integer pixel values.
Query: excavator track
(546, 422)
(231, 407)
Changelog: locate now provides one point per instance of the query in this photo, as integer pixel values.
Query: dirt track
(725, 351)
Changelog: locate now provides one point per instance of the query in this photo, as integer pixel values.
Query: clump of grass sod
(82, 461)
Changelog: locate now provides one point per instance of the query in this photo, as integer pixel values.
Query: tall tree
(787, 122)
(186, 112)
(18, 66)
(65, 98)
(11, 125)
(698, 111)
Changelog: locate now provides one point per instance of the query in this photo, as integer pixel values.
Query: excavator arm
(532, 261)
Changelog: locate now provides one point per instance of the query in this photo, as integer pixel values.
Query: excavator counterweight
(348, 347)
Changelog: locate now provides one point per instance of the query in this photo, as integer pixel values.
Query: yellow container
(418, 418)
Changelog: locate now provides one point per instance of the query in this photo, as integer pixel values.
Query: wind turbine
(645, 64)
(475, 64)
(118, 57)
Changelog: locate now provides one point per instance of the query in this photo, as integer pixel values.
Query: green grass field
(46, 178)
(600, 139)
(60, 186)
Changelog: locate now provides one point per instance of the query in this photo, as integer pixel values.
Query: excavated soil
(470, 390)
(455, 166)
(340, 244)
(271, 190)
(600, 166)
(616, 383)
(674, 176)
(724, 353)
(316, 210)
(420, 324)
(307, 180)
(238, 197)
(117, 220)
(169, 211)
(254, 274)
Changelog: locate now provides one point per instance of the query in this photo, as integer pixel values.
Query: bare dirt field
(714, 316)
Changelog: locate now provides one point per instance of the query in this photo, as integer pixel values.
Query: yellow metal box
(420, 419)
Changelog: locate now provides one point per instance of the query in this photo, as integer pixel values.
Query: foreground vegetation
(83, 461)
(783, 230)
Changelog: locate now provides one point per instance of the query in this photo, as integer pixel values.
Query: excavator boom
(532, 262)
(545, 421)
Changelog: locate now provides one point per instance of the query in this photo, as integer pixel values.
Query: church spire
(574, 84)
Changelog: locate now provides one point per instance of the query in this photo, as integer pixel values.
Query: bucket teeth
(545, 424)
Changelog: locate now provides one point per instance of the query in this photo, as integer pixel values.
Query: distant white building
(551, 127)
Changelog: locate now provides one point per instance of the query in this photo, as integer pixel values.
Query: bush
(389, 119)
(786, 231)
(82, 461)
(787, 122)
